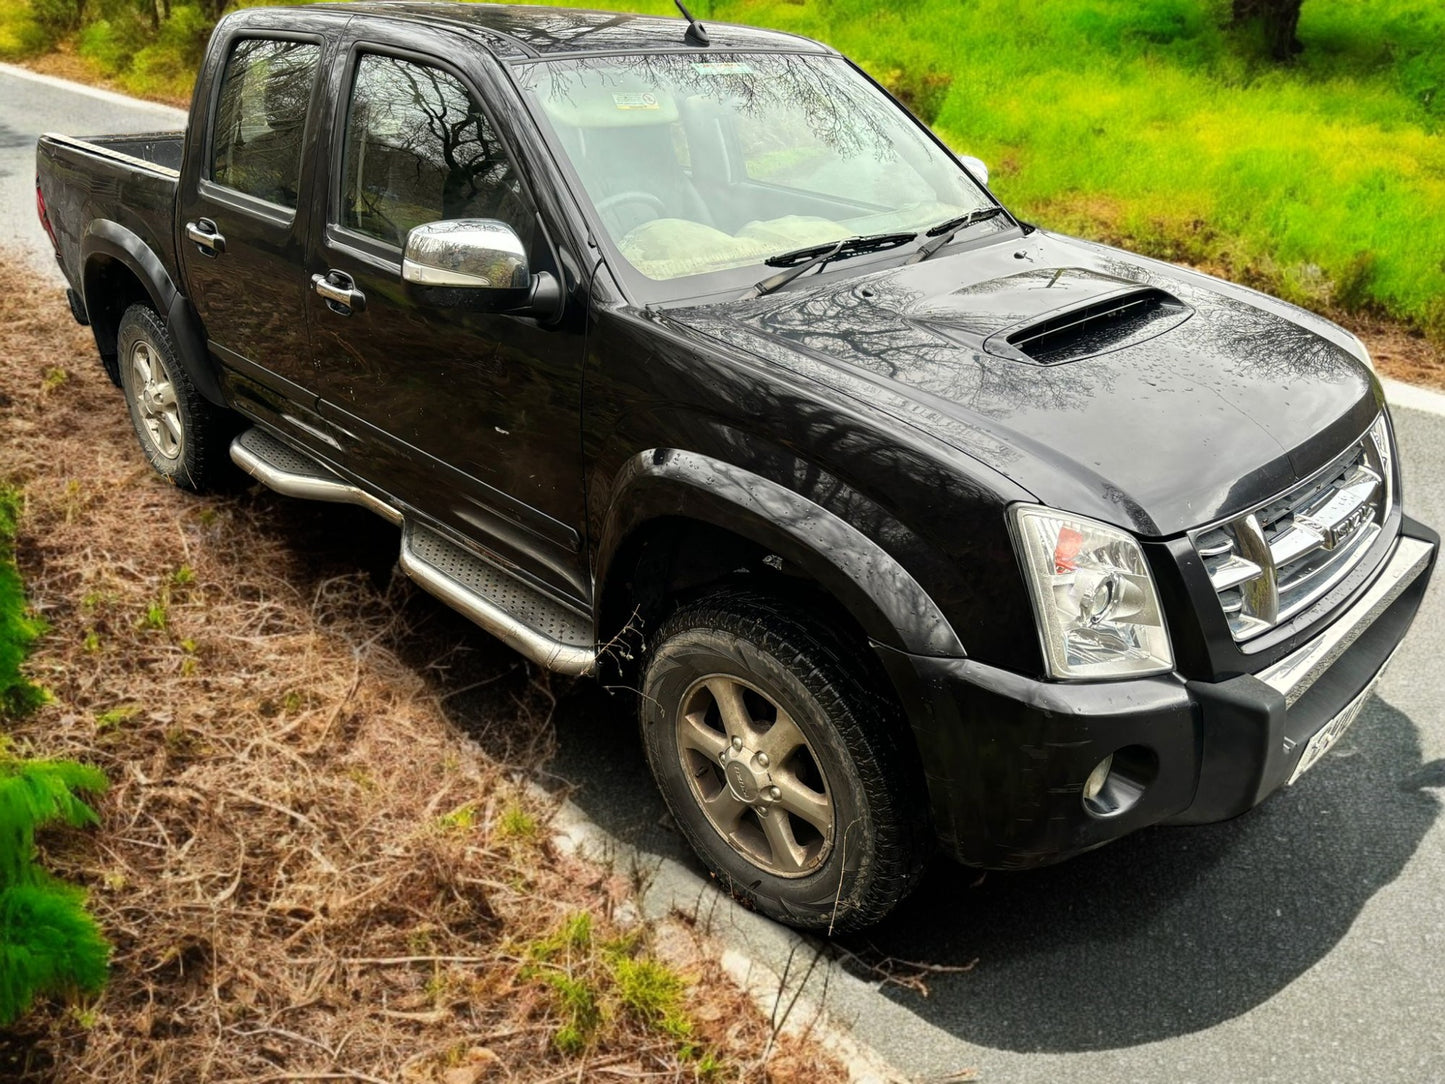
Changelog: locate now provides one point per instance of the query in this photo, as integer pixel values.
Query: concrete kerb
(1413, 397)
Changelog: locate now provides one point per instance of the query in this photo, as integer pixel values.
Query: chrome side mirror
(975, 167)
(480, 264)
(466, 254)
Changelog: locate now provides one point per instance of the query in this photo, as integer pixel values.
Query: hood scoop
(1109, 321)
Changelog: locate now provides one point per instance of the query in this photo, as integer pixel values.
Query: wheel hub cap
(749, 782)
(755, 776)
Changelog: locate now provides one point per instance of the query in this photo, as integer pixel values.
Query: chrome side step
(295, 474)
(523, 618)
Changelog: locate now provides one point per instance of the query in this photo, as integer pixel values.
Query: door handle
(206, 236)
(339, 290)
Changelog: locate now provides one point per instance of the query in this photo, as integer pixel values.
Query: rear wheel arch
(120, 270)
(110, 287)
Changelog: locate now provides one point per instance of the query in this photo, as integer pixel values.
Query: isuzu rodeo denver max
(685, 351)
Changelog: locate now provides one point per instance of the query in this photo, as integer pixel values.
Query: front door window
(417, 150)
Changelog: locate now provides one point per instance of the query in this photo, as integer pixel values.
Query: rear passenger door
(471, 418)
(244, 212)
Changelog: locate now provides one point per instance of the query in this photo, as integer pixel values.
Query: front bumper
(1006, 756)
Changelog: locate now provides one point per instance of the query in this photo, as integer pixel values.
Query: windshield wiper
(800, 260)
(947, 230)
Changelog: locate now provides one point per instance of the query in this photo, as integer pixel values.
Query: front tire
(182, 434)
(789, 774)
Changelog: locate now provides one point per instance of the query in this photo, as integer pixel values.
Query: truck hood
(1117, 387)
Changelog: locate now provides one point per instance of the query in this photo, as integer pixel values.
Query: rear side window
(260, 115)
(418, 149)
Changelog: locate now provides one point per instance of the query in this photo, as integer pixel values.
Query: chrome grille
(1270, 563)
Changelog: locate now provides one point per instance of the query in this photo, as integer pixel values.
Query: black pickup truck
(685, 353)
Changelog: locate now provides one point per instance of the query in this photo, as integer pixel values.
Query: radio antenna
(696, 32)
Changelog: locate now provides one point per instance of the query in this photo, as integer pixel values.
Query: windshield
(701, 163)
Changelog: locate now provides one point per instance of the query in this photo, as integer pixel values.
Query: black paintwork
(863, 429)
(518, 31)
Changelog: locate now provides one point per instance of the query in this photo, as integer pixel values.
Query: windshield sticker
(733, 68)
(644, 100)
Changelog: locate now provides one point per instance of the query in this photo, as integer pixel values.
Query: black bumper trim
(1006, 756)
(1254, 736)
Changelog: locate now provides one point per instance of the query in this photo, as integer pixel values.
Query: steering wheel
(635, 196)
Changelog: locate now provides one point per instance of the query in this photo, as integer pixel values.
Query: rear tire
(184, 436)
(789, 774)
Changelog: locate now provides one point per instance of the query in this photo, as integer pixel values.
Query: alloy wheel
(755, 776)
(155, 397)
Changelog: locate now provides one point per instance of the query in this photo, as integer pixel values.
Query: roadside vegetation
(49, 944)
(1151, 123)
(18, 628)
(319, 856)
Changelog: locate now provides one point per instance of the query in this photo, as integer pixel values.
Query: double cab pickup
(685, 354)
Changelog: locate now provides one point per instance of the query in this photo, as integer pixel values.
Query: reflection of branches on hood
(1273, 345)
(872, 334)
(1266, 342)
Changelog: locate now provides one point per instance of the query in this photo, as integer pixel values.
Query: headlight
(1098, 612)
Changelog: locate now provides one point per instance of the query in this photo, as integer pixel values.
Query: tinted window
(418, 149)
(260, 116)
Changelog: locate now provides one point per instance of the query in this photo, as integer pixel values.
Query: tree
(1280, 19)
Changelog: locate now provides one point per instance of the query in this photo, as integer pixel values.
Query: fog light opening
(1095, 783)
(1119, 780)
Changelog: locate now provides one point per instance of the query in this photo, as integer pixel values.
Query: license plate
(1327, 735)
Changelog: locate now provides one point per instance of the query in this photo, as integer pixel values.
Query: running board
(280, 467)
(542, 629)
(523, 618)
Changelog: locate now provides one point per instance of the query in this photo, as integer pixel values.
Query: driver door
(471, 418)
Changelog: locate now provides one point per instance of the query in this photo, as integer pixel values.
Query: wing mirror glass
(975, 167)
(476, 263)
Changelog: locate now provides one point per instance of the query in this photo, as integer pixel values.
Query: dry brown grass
(306, 871)
(1400, 352)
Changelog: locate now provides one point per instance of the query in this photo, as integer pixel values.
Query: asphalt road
(30, 105)
(1302, 942)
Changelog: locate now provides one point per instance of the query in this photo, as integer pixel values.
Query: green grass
(18, 629)
(599, 987)
(1145, 122)
(49, 943)
(20, 34)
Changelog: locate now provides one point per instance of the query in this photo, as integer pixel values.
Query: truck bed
(161, 149)
(126, 179)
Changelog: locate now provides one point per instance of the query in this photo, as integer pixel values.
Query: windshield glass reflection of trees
(698, 164)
